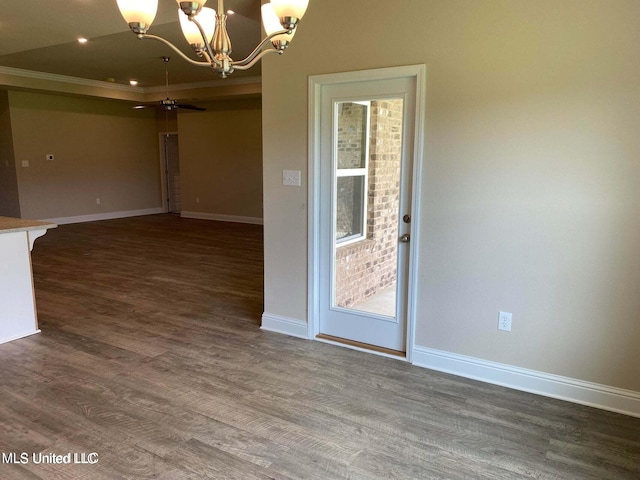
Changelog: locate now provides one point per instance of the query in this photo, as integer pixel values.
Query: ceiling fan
(169, 104)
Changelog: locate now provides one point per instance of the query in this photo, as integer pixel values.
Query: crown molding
(54, 77)
(43, 81)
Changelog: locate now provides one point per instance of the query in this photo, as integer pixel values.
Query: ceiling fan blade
(190, 107)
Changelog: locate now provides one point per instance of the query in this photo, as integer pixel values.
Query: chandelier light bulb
(139, 14)
(190, 8)
(272, 24)
(290, 11)
(207, 20)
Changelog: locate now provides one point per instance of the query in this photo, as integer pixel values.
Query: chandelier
(206, 30)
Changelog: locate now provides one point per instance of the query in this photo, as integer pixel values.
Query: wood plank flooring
(151, 356)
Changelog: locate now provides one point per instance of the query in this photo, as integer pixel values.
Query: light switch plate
(292, 177)
(25, 163)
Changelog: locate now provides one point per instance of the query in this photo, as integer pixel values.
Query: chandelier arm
(257, 59)
(256, 51)
(207, 57)
(209, 53)
(143, 36)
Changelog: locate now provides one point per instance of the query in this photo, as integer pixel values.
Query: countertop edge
(13, 225)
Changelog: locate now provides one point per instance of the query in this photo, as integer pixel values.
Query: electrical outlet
(49, 156)
(504, 321)
(97, 201)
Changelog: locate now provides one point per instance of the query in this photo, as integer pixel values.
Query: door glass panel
(350, 208)
(368, 152)
(352, 126)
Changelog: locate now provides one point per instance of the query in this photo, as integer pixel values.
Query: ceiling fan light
(290, 11)
(272, 24)
(207, 20)
(138, 12)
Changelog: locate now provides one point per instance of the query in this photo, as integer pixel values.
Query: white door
(366, 153)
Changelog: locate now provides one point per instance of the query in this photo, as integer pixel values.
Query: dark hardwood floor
(151, 356)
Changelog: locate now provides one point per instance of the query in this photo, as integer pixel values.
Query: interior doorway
(170, 166)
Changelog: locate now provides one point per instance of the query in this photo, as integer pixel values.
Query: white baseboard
(563, 388)
(104, 216)
(222, 218)
(284, 325)
(17, 337)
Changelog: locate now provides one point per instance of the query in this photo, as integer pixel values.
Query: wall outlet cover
(504, 321)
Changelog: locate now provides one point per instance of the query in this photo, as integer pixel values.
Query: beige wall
(531, 173)
(221, 158)
(103, 149)
(9, 200)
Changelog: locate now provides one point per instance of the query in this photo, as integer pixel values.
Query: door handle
(405, 238)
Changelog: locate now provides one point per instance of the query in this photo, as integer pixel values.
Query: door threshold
(362, 346)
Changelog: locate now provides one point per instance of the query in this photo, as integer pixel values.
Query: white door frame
(316, 82)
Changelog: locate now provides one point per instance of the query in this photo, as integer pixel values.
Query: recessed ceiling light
(82, 40)
(133, 83)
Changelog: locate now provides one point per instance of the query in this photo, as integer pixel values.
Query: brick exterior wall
(351, 148)
(365, 267)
